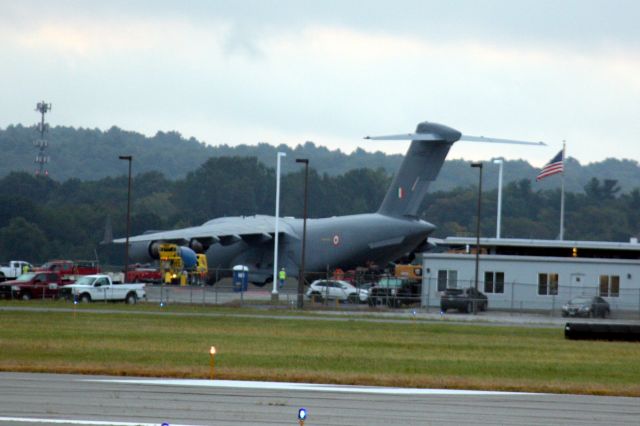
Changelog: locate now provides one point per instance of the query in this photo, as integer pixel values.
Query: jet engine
(144, 251)
(199, 246)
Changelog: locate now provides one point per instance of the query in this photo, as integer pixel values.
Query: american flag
(556, 165)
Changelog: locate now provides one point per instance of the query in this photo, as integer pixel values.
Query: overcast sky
(333, 71)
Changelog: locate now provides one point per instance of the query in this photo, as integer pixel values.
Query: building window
(548, 284)
(447, 279)
(453, 279)
(609, 285)
(494, 282)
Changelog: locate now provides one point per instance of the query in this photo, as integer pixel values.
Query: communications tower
(42, 158)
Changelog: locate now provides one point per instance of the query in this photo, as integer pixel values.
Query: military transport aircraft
(336, 242)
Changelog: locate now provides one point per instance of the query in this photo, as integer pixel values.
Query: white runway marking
(78, 422)
(304, 387)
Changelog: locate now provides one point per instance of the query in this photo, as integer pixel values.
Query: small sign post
(212, 354)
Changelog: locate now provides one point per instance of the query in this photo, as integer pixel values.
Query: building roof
(521, 242)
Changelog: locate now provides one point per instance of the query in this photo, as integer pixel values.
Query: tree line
(42, 218)
(92, 154)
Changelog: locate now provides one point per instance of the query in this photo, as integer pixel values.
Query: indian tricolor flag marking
(400, 192)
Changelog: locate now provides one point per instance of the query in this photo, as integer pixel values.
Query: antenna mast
(42, 143)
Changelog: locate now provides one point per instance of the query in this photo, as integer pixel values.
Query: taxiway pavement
(36, 399)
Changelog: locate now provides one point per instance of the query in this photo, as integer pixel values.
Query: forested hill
(91, 154)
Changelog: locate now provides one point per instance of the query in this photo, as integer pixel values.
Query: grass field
(410, 354)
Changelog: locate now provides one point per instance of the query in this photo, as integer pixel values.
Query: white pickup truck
(14, 269)
(101, 288)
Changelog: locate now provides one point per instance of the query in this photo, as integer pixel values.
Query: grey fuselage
(335, 242)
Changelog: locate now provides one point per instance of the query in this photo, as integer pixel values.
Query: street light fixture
(274, 293)
(479, 166)
(128, 158)
(304, 161)
(499, 221)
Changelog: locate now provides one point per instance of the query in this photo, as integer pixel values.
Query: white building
(536, 274)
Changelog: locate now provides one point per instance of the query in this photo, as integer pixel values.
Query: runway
(36, 399)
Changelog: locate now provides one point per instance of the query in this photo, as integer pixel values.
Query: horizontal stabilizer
(407, 137)
(468, 138)
(434, 137)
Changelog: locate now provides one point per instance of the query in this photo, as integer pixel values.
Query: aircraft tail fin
(430, 145)
(108, 232)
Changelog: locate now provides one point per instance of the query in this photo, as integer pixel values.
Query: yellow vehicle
(411, 272)
(199, 275)
(171, 265)
(173, 269)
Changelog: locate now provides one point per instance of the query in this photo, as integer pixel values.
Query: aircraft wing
(253, 229)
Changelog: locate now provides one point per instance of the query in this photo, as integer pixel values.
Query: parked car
(366, 286)
(463, 299)
(395, 292)
(320, 290)
(32, 285)
(586, 306)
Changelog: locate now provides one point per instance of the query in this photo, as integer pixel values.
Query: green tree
(22, 240)
(608, 190)
(225, 187)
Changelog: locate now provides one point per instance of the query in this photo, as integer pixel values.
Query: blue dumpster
(240, 278)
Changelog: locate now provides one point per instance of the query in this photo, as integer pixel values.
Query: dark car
(463, 299)
(586, 306)
(395, 292)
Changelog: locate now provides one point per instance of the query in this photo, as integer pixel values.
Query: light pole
(478, 165)
(274, 293)
(500, 163)
(304, 231)
(128, 158)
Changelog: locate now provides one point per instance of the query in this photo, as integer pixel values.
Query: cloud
(239, 72)
(96, 37)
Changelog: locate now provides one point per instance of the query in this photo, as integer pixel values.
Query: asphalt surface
(36, 399)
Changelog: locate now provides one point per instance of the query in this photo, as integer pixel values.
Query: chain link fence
(221, 290)
(363, 293)
(508, 298)
(541, 298)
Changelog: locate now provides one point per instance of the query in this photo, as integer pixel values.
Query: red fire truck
(69, 269)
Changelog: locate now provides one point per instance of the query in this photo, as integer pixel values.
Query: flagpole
(564, 156)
